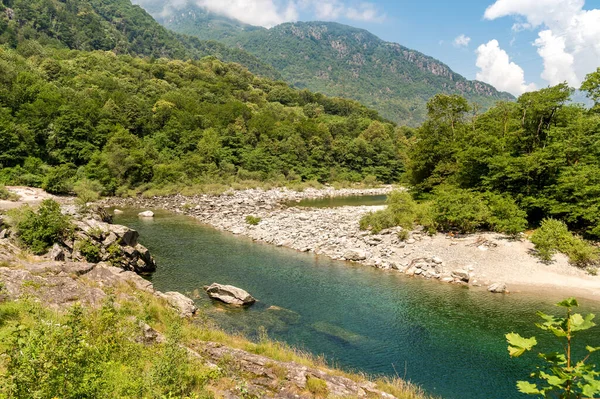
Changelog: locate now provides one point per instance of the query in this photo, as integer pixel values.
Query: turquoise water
(448, 339)
(332, 202)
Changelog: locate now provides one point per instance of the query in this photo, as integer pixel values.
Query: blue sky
(515, 45)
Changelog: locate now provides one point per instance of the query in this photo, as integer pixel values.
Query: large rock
(462, 275)
(56, 253)
(146, 214)
(229, 294)
(497, 288)
(355, 255)
(184, 305)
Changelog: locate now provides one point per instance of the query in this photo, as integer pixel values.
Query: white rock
(497, 288)
(118, 212)
(146, 214)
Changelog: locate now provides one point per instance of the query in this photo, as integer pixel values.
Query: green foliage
(118, 124)
(7, 195)
(540, 154)
(39, 229)
(459, 210)
(253, 220)
(91, 354)
(89, 250)
(115, 25)
(401, 211)
(554, 236)
(317, 387)
(560, 376)
(87, 191)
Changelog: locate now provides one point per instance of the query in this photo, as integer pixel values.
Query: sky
(515, 45)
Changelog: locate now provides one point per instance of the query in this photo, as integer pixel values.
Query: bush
(38, 230)
(87, 191)
(505, 214)
(59, 180)
(253, 220)
(7, 195)
(317, 387)
(553, 236)
(401, 211)
(459, 210)
(89, 250)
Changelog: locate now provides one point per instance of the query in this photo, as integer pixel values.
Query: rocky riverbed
(485, 260)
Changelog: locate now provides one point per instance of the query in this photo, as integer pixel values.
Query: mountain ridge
(340, 60)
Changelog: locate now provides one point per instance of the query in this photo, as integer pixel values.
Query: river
(448, 339)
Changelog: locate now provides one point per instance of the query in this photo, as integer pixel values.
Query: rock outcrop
(229, 294)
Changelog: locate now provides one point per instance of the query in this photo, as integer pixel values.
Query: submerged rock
(146, 214)
(230, 294)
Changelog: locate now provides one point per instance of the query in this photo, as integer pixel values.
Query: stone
(230, 294)
(437, 260)
(497, 288)
(184, 305)
(127, 236)
(146, 214)
(462, 275)
(56, 253)
(117, 212)
(355, 255)
(3, 234)
(411, 241)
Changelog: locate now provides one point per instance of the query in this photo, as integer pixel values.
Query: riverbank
(227, 366)
(478, 260)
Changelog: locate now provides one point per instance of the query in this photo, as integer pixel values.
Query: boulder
(184, 305)
(117, 212)
(229, 294)
(355, 255)
(56, 253)
(462, 275)
(497, 288)
(146, 214)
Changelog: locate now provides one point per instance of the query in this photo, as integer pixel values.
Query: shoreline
(477, 260)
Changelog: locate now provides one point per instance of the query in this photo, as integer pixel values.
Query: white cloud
(265, 13)
(568, 39)
(462, 41)
(497, 69)
(269, 13)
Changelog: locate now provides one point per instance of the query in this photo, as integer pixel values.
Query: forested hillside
(343, 61)
(540, 151)
(114, 25)
(124, 122)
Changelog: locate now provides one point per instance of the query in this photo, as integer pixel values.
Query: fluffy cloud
(462, 41)
(269, 13)
(497, 69)
(568, 39)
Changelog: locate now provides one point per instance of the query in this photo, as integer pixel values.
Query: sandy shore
(485, 258)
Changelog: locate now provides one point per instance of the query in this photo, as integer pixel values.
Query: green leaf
(518, 345)
(568, 303)
(591, 389)
(528, 388)
(579, 323)
(554, 357)
(592, 349)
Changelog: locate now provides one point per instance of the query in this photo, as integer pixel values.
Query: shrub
(87, 191)
(317, 387)
(505, 214)
(253, 220)
(401, 211)
(7, 195)
(89, 250)
(554, 236)
(38, 230)
(403, 235)
(59, 180)
(458, 209)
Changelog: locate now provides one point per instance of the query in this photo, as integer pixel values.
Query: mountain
(340, 60)
(198, 22)
(115, 25)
